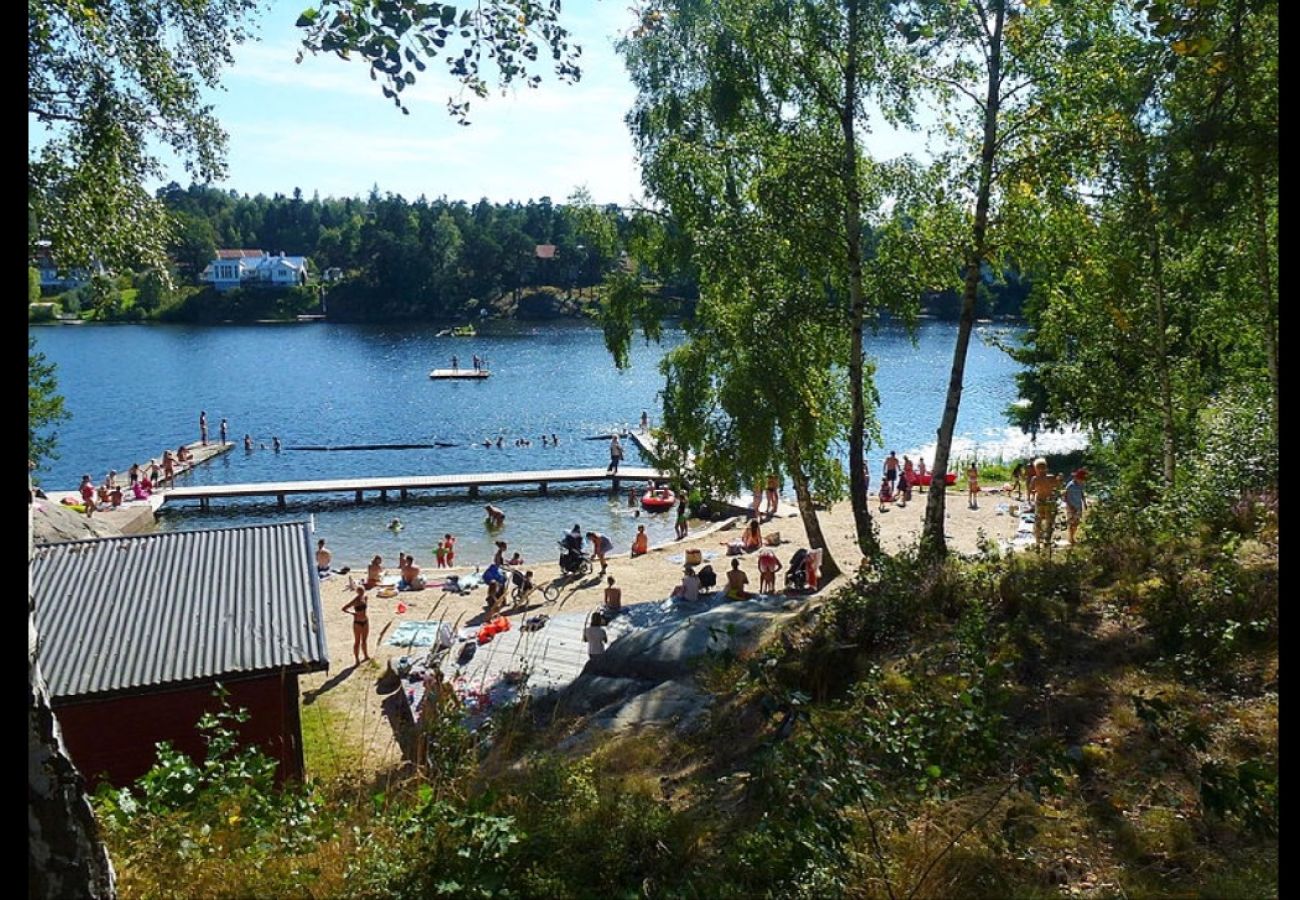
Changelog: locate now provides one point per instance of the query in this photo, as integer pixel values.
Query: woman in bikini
(375, 572)
(360, 625)
(753, 537)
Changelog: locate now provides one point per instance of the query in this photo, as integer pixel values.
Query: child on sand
(450, 543)
(1075, 502)
(768, 566)
(1042, 488)
(886, 494)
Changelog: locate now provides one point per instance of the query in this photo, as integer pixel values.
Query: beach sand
(343, 704)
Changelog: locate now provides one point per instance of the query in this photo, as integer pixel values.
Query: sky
(323, 125)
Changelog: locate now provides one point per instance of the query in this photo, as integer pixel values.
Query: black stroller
(573, 561)
(796, 577)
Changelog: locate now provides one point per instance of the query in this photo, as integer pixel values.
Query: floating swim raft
(471, 374)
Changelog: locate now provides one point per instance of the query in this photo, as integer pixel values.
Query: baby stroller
(796, 576)
(708, 579)
(574, 562)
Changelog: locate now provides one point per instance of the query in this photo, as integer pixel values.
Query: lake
(134, 389)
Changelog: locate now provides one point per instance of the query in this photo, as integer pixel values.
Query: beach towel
(420, 634)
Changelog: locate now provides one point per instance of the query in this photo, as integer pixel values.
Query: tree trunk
(65, 857)
(1264, 275)
(867, 541)
(807, 513)
(1162, 357)
(932, 537)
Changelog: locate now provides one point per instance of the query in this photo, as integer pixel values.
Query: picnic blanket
(420, 634)
(681, 557)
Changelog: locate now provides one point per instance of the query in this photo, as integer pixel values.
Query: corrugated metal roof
(119, 614)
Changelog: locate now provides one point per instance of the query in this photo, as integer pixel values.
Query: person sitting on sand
(323, 558)
(495, 579)
(752, 539)
(736, 581)
(768, 566)
(640, 543)
(494, 518)
(689, 589)
(613, 599)
(886, 494)
(375, 571)
(1042, 488)
(412, 579)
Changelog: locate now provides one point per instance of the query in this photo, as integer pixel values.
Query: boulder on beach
(54, 523)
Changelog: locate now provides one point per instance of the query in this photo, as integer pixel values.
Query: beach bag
(694, 557)
(708, 578)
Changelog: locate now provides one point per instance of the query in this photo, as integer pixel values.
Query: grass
(324, 743)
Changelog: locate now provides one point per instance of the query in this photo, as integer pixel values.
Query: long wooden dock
(403, 484)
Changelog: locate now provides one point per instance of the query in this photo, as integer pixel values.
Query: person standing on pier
(615, 455)
(645, 420)
(455, 363)
(223, 429)
(203, 427)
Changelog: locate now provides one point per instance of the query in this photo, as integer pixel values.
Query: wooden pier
(403, 484)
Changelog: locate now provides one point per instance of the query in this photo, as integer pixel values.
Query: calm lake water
(134, 389)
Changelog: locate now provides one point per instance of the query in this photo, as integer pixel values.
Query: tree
(985, 61)
(397, 39)
(44, 406)
(33, 284)
(749, 75)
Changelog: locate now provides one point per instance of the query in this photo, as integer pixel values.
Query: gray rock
(54, 523)
(589, 692)
(670, 650)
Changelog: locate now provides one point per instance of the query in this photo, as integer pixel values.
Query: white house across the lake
(242, 268)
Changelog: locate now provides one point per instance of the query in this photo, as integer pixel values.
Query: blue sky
(323, 125)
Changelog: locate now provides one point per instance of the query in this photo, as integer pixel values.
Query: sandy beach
(348, 708)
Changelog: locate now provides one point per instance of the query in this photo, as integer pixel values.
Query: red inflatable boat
(658, 500)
